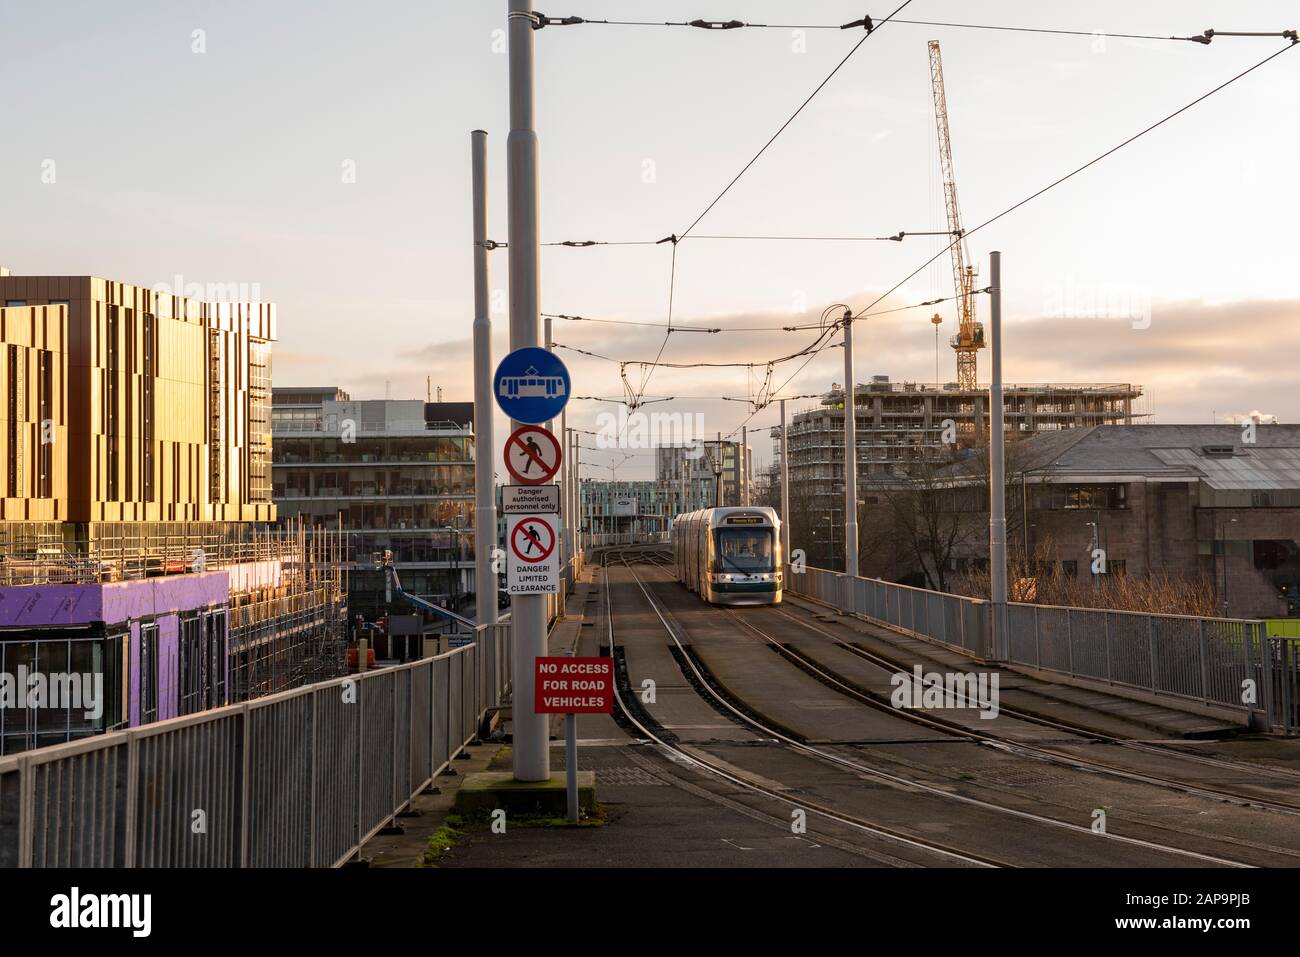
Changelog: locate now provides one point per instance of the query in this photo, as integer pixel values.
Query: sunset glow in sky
(1172, 263)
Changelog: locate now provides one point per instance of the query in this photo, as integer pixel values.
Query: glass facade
(63, 660)
(396, 475)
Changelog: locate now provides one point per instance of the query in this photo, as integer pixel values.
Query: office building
(398, 475)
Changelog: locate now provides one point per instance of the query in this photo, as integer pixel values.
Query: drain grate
(636, 777)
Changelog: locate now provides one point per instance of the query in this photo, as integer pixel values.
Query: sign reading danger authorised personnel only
(574, 686)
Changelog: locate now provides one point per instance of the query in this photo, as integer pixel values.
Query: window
(45, 415)
(110, 402)
(1080, 496)
(147, 409)
(14, 409)
(744, 550)
(148, 673)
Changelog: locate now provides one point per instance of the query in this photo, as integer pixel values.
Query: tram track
(638, 720)
(1248, 768)
(764, 727)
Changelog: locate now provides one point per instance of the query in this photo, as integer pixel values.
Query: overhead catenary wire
(865, 23)
(1076, 171)
(796, 327)
(1204, 96)
(811, 352)
(676, 239)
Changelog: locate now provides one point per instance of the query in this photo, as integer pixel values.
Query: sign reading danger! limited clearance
(574, 686)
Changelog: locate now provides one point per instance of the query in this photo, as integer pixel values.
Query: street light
(1222, 547)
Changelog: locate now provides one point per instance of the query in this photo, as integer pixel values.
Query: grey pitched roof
(1172, 452)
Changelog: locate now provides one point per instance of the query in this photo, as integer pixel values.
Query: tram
(729, 556)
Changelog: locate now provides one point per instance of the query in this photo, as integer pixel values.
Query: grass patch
(440, 842)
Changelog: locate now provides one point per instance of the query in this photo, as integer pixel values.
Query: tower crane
(970, 334)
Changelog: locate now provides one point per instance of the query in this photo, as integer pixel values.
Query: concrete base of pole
(485, 791)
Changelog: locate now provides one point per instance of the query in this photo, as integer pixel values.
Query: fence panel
(279, 763)
(419, 726)
(336, 788)
(1088, 644)
(441, 712)
(183, 765)
(402, 757)
(295, 779)
(469, 682)
(1176, 654)
(376, 750)
(80, 804)
(455, 705)
(11, 829)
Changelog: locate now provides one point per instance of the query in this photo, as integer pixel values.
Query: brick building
(1219, 503)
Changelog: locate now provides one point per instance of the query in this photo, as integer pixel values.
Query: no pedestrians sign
(532, 554)
(532, 455)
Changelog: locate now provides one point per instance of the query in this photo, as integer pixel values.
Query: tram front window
(744, 550)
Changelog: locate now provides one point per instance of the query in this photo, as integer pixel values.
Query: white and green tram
(730, 556)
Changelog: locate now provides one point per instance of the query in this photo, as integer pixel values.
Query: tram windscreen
(745, 550)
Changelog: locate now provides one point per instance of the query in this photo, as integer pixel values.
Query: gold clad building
(120, 404)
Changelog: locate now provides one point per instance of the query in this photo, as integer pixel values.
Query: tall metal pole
(744, 465)
(997, 468)
(717, 476)
(850, 454)
(785, 485)
(485, 507)
(531, 754)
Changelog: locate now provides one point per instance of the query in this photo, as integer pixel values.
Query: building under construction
(138, 565)
(901, 424)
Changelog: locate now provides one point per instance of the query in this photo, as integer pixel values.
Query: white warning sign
(533, 554)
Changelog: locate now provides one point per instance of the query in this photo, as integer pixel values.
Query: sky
(318, 153)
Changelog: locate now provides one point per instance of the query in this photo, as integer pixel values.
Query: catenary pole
(850, 454)
(531, 748)
(785, 485)
(997, 466)
(485, 513)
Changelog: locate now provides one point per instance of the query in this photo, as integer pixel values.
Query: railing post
(27, 812)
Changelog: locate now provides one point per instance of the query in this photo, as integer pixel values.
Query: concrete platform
(486, 791)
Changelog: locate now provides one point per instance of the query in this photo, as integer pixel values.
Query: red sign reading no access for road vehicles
(574, 686)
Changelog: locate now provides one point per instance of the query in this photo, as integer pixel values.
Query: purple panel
(169, 628)
(160, 596)
(36, 605)
(111, 603)
(134, 710)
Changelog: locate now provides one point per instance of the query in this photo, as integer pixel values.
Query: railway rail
(856, 767)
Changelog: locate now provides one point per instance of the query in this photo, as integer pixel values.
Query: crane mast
(970, 334)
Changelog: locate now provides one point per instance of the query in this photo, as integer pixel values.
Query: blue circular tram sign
(531, 385)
